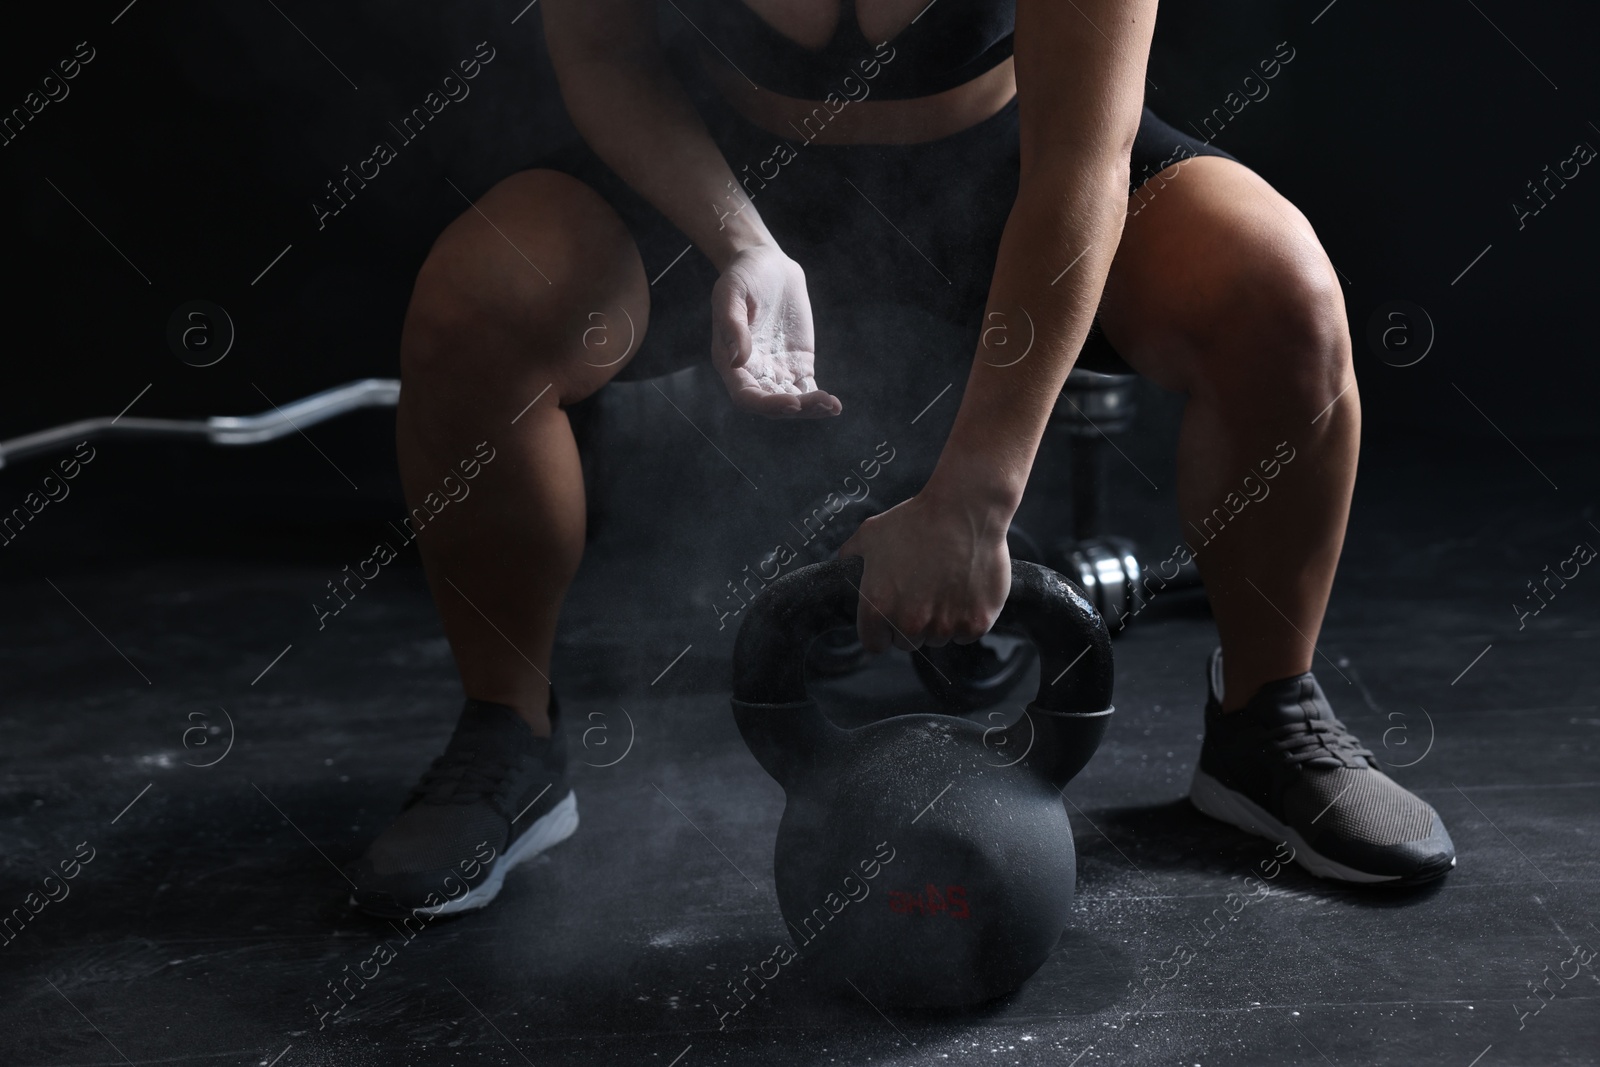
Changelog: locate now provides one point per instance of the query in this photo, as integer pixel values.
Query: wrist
(738, 232)
(981, 489)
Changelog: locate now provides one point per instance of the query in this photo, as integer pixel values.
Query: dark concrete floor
(211, 916)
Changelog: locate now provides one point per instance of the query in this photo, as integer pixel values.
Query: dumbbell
(1094, 405)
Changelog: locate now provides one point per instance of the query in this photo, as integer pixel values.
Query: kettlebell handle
(780, 722)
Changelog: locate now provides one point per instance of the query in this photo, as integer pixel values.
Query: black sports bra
(949, 43)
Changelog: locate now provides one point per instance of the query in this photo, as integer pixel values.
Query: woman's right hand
(762, 342)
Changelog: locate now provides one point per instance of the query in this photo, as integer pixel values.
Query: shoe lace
(466, 775)
(1320, 739)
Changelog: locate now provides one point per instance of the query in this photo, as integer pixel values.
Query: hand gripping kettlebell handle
(785, 730)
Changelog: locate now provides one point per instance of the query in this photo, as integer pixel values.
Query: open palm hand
(762, 341)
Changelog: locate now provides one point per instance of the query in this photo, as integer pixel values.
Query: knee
(514, 285)
(1278, 335)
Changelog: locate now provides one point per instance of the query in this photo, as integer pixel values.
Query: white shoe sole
(551, 828)
(1218, 801)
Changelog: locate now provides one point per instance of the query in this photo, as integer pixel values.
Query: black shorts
(915, 224)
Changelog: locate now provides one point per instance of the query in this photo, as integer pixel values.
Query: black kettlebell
(923, 859)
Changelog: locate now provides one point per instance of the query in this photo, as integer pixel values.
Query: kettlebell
(924, 860)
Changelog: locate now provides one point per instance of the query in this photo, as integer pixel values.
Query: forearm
(1054, 255)
(635, 115)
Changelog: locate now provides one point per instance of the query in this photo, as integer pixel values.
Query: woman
(1019, 135)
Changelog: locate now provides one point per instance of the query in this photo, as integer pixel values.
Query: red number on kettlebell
(930, 902)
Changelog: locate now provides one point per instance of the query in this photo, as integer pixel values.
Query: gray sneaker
(498, 796)
(1282, 767)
